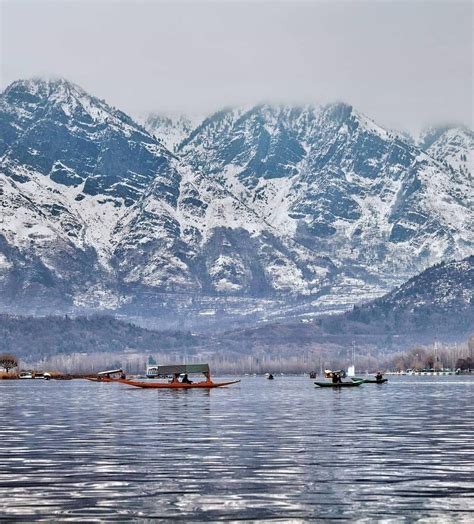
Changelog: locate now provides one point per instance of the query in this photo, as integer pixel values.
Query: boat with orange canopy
(177, 371)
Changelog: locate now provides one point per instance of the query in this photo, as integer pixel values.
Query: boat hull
(177, 385)
(372, 380)
(339, 385)
(95, 379)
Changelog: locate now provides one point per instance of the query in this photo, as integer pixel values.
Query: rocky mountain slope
(96, 213)
(262, 213)
(334, 181)
(453, 146)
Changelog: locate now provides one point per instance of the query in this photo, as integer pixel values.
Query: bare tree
(8, 362)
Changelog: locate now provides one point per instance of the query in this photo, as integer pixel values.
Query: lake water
(262, 450)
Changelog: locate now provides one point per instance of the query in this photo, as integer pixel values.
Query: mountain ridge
(260, 203)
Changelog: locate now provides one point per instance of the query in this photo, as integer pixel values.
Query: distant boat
(339, 384)
(111, 375)
(371, 380)
(26, 375)
(175, 372)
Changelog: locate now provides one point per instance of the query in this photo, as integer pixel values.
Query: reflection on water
(259, 450)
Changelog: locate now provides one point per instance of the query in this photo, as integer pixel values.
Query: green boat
(371, 380)
(339, 384)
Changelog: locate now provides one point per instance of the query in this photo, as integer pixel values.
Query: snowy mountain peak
(170, 130)
(453, 146)
(77, 140)
(264, 203)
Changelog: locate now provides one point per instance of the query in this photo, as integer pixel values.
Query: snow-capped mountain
(339, 184)
(71, 166)
(170, 130)
(97, 213)
(271, 204)
(451, 145)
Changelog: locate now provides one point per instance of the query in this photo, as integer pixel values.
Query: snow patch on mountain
(267, 203)
(170, 129)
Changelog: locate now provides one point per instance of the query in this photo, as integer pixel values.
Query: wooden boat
(103, 379)
(371, 380)
(339, 384)
(105, 376)
(175, 372)
(177, 385)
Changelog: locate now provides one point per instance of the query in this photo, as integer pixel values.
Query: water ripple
(261, 450)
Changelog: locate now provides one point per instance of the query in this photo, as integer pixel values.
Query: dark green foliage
(52, 335)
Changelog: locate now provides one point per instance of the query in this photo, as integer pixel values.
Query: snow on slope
(453, 146)
(340, 184)
(90, 184)
(318, 203)
(170, 130)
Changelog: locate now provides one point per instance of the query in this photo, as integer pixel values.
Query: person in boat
(379, 376)
(123, 376)
(270, 376)
(175, 379)
(336, 378)
(185, 379)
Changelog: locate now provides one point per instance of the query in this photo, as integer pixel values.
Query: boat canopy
(109, 372)
(183, 368)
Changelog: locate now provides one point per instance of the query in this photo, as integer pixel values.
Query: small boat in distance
(111, 375)
(371, 380)
(378, 379)
(175, 372)
(340, 384)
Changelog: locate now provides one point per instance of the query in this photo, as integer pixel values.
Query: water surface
(262, 450)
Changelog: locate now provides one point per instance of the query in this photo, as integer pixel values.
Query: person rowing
(185, 379)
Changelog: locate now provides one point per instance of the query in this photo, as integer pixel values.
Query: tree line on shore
(316, 359)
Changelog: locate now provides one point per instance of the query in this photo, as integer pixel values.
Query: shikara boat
(107, 376)
(371, 380)
(339, 384)
(177, 385)
(175, 372)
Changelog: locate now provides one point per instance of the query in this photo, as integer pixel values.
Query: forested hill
(437, 303)
(441, 299)
(41, 337)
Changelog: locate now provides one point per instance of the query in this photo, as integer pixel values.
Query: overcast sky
(405, 64)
